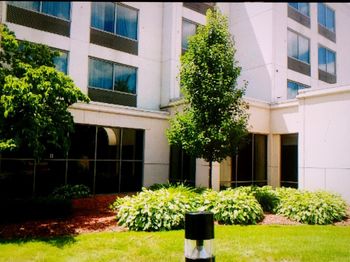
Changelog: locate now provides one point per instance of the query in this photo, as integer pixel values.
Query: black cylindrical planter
(199, 236)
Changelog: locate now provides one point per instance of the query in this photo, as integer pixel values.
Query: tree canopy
(34, 97)
(214, 118)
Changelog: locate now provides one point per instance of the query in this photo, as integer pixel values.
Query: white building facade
(126, 57)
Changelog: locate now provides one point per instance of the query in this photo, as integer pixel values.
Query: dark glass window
(115, 18)
(326, 60)
(112, 76)
(182, 167)
(326, 17)
(289, 160)
(298, 47)
(57, 9)
(303, 8)
(249, 163)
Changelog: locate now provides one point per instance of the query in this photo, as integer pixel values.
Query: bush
(198, 190)
(236, 207)
(158, 210)
(267, 198)
(318, 207)
(71, 191)
(17, 210)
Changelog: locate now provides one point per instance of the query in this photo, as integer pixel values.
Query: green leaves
(71, 191)
(319, 207)
(34, 98)
(214, 118)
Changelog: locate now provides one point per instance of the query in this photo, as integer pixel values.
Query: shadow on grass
(59, 242)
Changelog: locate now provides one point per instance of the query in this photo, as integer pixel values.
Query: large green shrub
(236, 207)
(318, 207)
(158, 210)
(71, 191)
(265, 195)
(267, 198)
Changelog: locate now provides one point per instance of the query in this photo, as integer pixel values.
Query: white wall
(324, 141)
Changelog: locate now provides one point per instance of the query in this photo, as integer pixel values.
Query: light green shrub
(158, 210)
(236, 207)
(307, 207)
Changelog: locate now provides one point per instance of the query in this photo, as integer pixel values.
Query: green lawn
(233, 243)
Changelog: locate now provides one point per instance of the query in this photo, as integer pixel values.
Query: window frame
(115, 22)
(299, 84)
(325, 15)
(335, 60)
(42, 13)
(309, 46)
(308, 15)
(113, 76)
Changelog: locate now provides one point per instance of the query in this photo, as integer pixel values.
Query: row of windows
(325, 15)
(299, 48)
(112, 76)
(105, 75)
(106, 16)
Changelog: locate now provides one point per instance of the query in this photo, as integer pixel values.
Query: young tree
(34, 97)
(214, 118)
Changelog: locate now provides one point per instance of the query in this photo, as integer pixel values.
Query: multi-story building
(125, 56)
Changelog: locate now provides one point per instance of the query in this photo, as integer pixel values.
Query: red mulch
(93, 215)
(89, 215)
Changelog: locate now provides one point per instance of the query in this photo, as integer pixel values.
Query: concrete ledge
(323, 92)
(122, 110)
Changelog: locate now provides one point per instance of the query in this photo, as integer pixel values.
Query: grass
(233, 243)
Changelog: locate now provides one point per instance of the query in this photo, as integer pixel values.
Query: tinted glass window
(126, 22)
(100, 74)
(58, 9)
(125, 79)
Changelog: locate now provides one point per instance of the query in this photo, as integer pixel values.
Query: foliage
(163, 209)
(177, 185)
(318, 207)
(214, 117)
(71, 191)
(266, 196)
(236, 207)
(17, 210)
(34, 97)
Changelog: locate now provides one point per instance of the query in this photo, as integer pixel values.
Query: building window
(61, 62)
(182, 167)
(326, 17)
(56, 9)
(188, 29)
(298, 47)
(293, 88)
(326, 60)
(249, 163)
(115, 18)
(112, 76)
(303, 8)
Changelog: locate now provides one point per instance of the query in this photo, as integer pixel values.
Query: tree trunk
(210, 174)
